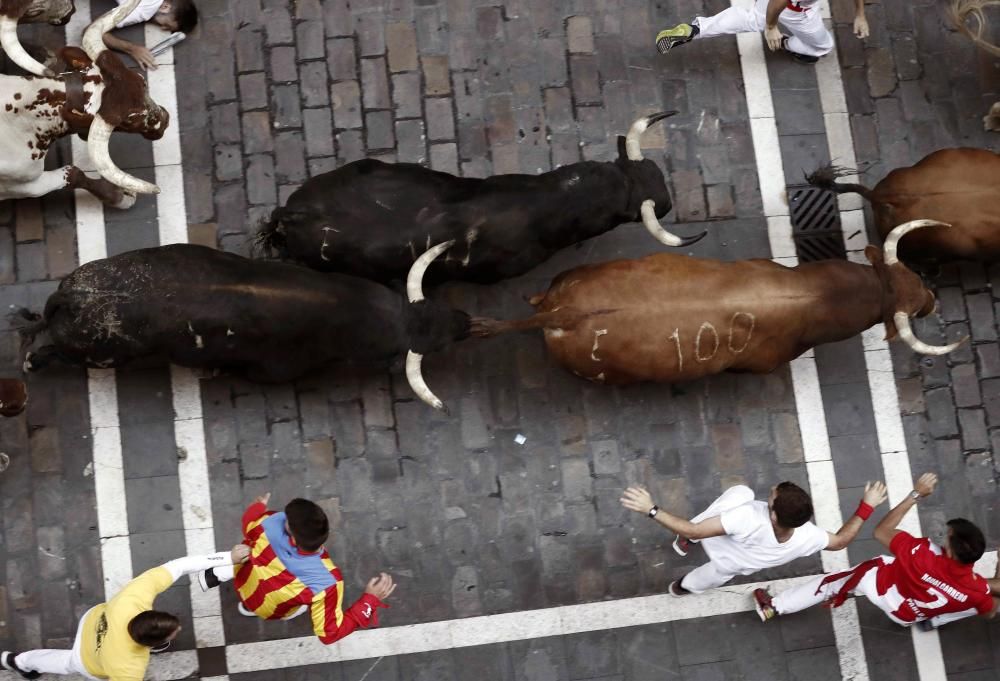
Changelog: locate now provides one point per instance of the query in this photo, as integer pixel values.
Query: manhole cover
(815, 223)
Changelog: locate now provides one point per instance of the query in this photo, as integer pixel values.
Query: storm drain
(815, 223)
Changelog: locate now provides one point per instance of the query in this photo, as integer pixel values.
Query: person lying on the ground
(742, 535)
(920, 582)
(795, 26)
(170, 15)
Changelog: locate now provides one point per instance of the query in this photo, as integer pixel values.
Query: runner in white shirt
(170, 15)
(801, 33)
(742, 535)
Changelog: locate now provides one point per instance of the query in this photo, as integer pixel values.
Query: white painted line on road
(516, 626)
(189, 424)
(805, 379)
(109, 474)
(878, 362)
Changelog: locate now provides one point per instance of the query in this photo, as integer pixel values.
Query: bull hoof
(28, 366)
(126, 202)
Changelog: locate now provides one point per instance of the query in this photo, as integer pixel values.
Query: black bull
(373, 219)
(267, 321)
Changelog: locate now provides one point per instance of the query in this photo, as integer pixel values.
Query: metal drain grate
(815, 223)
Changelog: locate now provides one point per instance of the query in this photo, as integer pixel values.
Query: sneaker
(207, 579)
(243, 610)
(676, 590)
(681, 545)
(678, 35)
(801, 58)
(762, 604)
(162, 648)
(8, 663)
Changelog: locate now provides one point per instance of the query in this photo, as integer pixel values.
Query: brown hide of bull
(13, 396)
(957, 186)
(670, 318)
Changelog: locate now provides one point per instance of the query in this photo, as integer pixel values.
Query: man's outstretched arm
(639, 500)
(886, 529)
(874, 495)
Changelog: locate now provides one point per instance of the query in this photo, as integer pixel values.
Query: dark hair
(792, 506)
(308, 524)
(185, 14)
(152, 628)
(966, 541)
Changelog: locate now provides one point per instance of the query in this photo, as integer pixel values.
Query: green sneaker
(672, 37)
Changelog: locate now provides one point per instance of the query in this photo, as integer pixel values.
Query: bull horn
(93, 37)
(415, 279)
(902, 321)
(649, 219)
(97, 144)
(633, 149)
(12, 46)
(892, 240)
(416, 379)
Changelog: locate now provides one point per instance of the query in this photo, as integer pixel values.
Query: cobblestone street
(509, 503)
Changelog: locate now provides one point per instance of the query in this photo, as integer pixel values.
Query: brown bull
(957, 186)
(670, 318)
(13, 396)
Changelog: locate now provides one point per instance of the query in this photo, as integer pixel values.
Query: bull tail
(960, 11)
(270, 235)
(28, 325)
(825, 178)
(566, 319)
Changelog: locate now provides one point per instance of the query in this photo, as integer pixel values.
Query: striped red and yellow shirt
(279, 579)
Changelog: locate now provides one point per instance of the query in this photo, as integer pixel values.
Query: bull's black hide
(202, 308)
(373, 219)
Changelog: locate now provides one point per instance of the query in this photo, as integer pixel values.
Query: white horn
(93, 38)
(17, 53)
(892, 239)
(416, 380)
(97, 144)
(648, 210)
(649, 219)
(633, 149)
(415, 278)
(902, 321)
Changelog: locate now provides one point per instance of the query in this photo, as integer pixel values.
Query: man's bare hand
(240, 554)
(637, 499)
(772, 34)
(861, 26)
(143, 56)
(263, 499)
(875, 493)
(926, 484)
(380, 587)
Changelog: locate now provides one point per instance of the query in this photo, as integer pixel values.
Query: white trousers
(805, 30)
(62, 662)
(813, 593)
(710, 575)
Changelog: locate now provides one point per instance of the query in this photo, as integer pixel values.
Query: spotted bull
(372, 219)
(960, 187)
(671, 318)
(13, 396)
(268, 321)
(55, 12)
(95, 96)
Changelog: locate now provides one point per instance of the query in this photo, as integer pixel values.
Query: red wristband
(864, 510)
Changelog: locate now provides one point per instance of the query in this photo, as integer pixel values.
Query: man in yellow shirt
(114, 639)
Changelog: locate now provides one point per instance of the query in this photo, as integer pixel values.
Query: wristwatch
(653, 511)
(915, 495)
